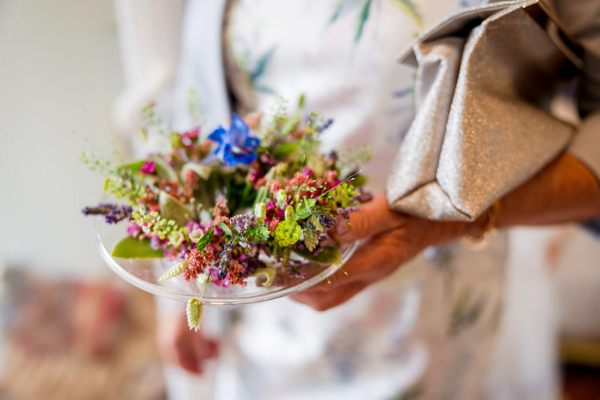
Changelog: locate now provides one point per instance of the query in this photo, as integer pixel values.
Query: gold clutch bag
(485, 79)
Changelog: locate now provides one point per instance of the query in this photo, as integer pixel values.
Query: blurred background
(72, 331)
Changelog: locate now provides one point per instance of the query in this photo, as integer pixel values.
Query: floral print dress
(423, 333)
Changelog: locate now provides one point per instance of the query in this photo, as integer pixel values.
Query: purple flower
(113, 213)
(243, 222)
(235, 146)
(325, 125)
(148, 168)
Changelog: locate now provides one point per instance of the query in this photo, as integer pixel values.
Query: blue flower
(235, 146)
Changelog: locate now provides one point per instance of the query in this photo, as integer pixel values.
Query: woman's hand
(182, 347)
(393, 239)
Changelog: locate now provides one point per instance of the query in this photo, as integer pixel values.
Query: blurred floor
(79, 341)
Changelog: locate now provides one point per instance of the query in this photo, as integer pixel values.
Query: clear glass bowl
(144, 274)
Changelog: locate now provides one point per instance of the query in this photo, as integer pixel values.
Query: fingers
(205, 348)
(376, 260)
(322, 300)
(185, 358)
(371, 219)
(372, 260)
(184, 348)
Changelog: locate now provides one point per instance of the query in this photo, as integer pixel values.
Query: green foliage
(95, 164)
(289, 212)
(130, 169)
(258, 233)
(163, 169)
(311, 237)
(283, 150)
(205, 239)
(260, 211)
(240, 194)
(305, 208)
(329, 255)
(124, 188)
(134, 248)
(226, 229)
(342, 195)
(314, 221)
(194, 314)
(290, 124)
(173, 209)
(202, 170)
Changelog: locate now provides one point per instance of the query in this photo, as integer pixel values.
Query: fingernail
(342, 228)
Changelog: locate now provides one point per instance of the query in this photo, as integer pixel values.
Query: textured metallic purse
(485, 80)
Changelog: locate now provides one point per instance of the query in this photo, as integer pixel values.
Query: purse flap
(460, 24)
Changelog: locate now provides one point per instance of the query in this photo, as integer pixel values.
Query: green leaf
(193, 312)
(202, 170)
(240, 193)
(205, 239)
(226, 229)
(285, 149)
(301, 101)
(259, 233)
(163, 169)
(260, 211)
(132, 168)
(171, 208)
(135, 248)
(361, 20)
(173, 272)
(261, 196)
(291, 124)
(329, 255)
(359, 181)
(305, 209)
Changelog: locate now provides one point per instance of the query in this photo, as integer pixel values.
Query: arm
(565, 191)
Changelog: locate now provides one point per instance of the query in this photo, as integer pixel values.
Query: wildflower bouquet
(251, 202)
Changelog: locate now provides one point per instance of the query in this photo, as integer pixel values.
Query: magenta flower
(148, 167)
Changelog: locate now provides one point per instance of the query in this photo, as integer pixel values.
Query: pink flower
(308, 172)
(148, 168)
(134, 230)
(188, 138)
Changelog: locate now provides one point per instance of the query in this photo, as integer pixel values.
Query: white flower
(176, 238)
(196, 235)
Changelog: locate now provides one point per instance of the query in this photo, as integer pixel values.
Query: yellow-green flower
(287, 233)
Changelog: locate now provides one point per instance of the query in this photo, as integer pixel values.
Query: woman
(402, 336)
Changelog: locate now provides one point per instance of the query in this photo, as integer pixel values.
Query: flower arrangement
(246, 201)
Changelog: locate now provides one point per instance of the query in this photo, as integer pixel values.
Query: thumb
(371, 219)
